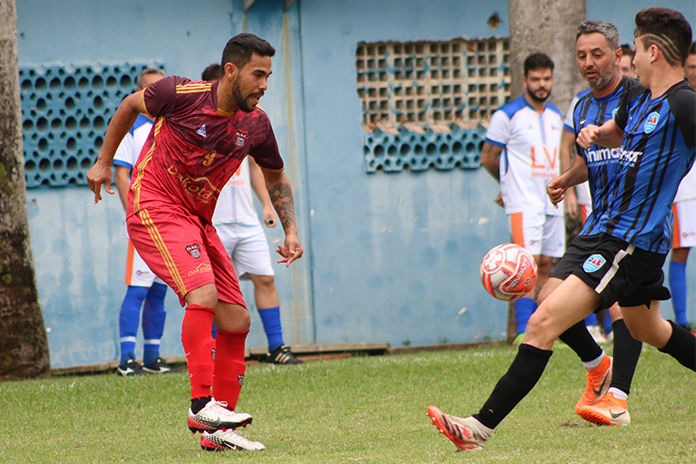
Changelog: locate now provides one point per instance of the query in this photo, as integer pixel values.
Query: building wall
(388, 256)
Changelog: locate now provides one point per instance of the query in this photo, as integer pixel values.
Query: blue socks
(270, 317)
(591, 320)
(154, 316)
(677, 285)
(524, 307)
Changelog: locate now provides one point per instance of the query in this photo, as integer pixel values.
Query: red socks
(199, 347)
(229, 366)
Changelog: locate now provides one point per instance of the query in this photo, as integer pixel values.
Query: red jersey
(194, 148)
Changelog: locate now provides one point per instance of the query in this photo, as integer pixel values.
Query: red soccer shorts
(184, 251)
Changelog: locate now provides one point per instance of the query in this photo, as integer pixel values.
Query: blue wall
(389, 257)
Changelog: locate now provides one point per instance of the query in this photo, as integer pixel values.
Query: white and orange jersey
(235, 203)
(582, 191)
(687, 187)
(531, 142)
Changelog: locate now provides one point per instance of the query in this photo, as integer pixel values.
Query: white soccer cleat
(222, 440)
(214, 416)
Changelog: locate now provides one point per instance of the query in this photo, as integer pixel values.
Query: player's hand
(291, 250)
(97, 176)
(556, 189)
(570, 203)
(499, 200)
(588, 135)
(269, 217)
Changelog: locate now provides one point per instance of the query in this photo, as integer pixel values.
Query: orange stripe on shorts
(130, 254)
(517, 228)
(676, 233)
(162, 248)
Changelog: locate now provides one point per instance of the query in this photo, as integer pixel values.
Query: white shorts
(539, 233)
(247, 246)
(684, 229)
(137, 272)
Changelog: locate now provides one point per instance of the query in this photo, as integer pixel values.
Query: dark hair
(668, 30)
(692, 49)
(239, 49)
(608, 30)
(140, 80)
(211, 73)
(627, 50)
(537, 60)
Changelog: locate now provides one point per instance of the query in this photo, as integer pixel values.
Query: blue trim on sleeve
(123, 163)
(493, 142)
(566, 127)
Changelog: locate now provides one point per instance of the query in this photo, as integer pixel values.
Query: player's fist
(588, 135)
(555, 189)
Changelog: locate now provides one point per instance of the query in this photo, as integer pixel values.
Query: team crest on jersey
(651, 123)
(240, 138)
(593, 263)
(202, 131)
(194, 250)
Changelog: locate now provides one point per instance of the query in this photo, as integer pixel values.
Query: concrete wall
(389, 256)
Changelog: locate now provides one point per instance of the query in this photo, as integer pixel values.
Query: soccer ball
(508, 272)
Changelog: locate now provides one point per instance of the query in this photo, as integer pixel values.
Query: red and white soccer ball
(508, 272)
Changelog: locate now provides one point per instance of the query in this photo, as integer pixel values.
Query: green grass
(352, 410)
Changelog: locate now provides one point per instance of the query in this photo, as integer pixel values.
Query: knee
(264, 281)
(206, 295)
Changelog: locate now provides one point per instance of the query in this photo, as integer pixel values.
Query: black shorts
(615, 269)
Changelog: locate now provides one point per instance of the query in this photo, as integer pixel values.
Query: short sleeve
(498, 132)
(124, 153)
(265, 152)
(683, 106)
(568, 123)
(160, 97)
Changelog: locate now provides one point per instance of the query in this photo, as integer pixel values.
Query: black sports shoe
(282, 355)
(159, 367)
(131, 368)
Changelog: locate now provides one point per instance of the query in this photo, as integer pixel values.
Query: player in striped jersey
(626, 264)
(598, 56)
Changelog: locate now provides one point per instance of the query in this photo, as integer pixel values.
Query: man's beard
(239, 98)
(603, 80)
(533, 96)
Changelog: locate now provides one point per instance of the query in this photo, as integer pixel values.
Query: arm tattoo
(281, 198)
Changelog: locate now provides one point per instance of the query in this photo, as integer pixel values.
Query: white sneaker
(222, 440)
(214, 416)
(596, 333)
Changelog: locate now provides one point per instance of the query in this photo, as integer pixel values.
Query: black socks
(524, 372)
(199, 403)
(681, 346)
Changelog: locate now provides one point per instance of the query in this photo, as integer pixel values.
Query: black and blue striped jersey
(657, 150)
(600, 161)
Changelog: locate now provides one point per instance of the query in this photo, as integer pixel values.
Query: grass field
(352, 410)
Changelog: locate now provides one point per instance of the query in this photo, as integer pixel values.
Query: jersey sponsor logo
(203, 267)
(240, 138)
(651, 122)
(202, 131)
(602, 155)
(194, 250)
(140, 273)
(200, 189)
(593, 263)
(630, 158)
(547, 163)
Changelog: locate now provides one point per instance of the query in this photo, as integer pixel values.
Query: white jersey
(582, 191)
(530, 141)
(129, 149)
(687, 188)
(235, 203)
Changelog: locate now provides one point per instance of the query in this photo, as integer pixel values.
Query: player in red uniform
(202, 132)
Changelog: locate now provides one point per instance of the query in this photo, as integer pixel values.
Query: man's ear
(231, 70)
